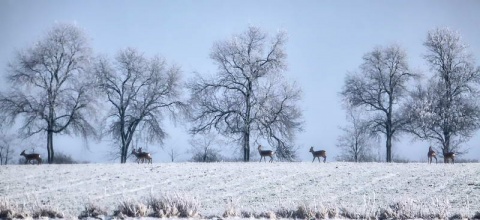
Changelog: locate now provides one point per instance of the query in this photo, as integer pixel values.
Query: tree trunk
(446, 146)
(246, 147)
(48, 149)
(356, 151)
(389, 135)
(123, 157)
(7, 155)
(51, 153)
(205, 155)
(124, 147)
(389, 148)
(247, 122)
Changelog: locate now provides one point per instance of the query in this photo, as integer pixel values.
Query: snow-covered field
(253, 187)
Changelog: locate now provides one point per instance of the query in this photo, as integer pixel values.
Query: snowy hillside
(253, 187)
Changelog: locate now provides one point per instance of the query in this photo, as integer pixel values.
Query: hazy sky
(327, 39)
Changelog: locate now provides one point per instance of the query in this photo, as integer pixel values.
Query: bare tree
(140, 91)
(6, 149)
(248, 97)
(203, 149)
(357, 140)
(50, 88)
(445, 110)
(173, 154)
(380, 87)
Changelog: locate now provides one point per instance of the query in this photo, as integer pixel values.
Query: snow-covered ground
(255, 187)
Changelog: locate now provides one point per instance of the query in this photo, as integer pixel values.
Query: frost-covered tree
(50, 89)
(6, 148)
(203, 149)
(379, 87)
(446, 110)
(357, 141)
(173, 153)
(140, 91)
(248, 98)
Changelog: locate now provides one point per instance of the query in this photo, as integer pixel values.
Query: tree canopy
(248, 98)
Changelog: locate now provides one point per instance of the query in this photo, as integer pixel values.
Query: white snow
(251, 186)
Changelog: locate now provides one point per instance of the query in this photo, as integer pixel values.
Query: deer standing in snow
(318, 154)
(30, 157)
(431, 154)
(265, 153)
(142, 156)
(449, 156)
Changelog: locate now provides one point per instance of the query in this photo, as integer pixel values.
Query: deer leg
(324, 159)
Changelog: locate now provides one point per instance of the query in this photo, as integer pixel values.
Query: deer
(142, 156)
(318, 154)
(30, 157)
(449, 156)
(141, 152)
(431, 154)
(265, 153)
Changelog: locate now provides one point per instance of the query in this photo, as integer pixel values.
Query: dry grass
(47, 212)
(232, 209)
(131, 208)
(93, 211)
(165, 206)
(174, 206)
(404, 209)
(305, 211)
(9, 210)
(181, 206)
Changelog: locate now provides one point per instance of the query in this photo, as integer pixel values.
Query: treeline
(382, 101)
(58, 86)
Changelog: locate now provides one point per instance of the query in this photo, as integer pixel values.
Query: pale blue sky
(326, 40)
